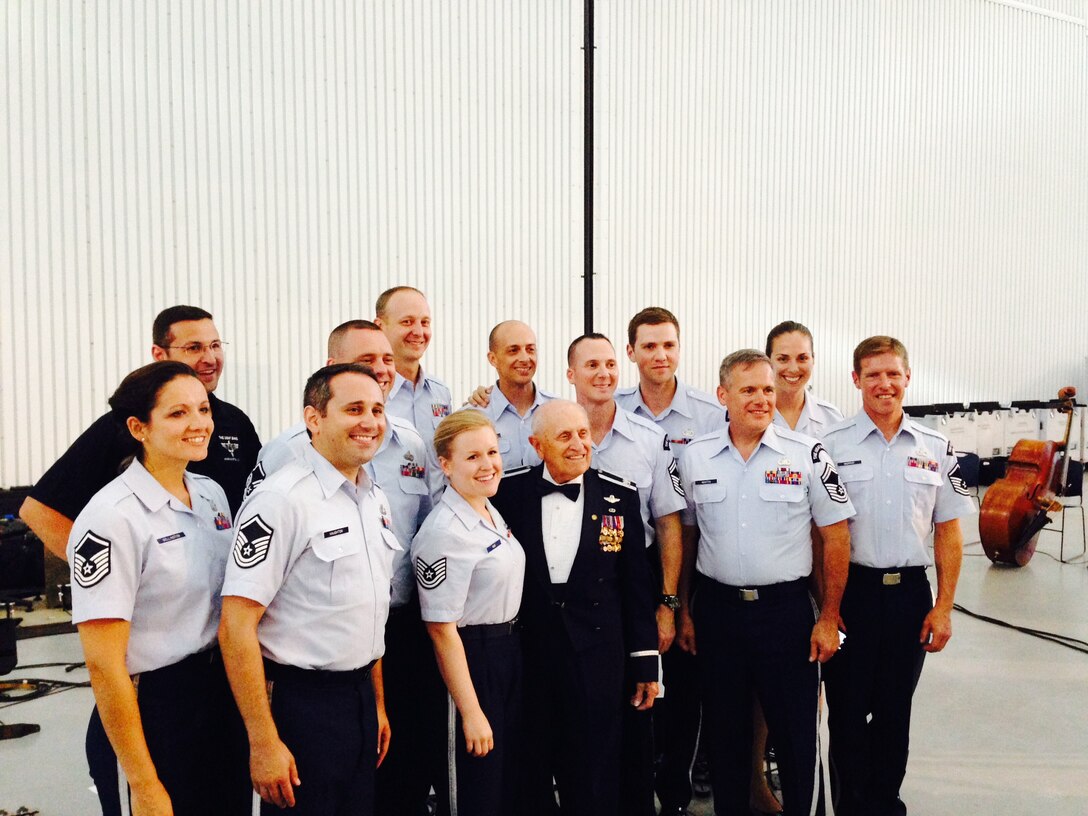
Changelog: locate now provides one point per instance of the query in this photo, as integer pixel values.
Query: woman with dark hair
(148, 555)
(471, 570)
(789, 345)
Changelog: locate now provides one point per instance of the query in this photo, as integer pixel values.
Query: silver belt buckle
(892, 578)
(749, 594)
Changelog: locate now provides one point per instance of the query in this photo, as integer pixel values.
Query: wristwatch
(671, 601)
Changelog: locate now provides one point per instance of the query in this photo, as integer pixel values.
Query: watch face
(671, 601)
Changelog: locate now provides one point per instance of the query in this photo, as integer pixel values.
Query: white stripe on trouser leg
(816, 770)
(451, 752)
(123, 791)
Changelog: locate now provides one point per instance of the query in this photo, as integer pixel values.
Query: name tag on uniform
(336, 532)
(174, 537)
(851, 462)
(705, 481)
(493, 546)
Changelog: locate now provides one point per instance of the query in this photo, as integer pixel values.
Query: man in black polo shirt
(184, 333)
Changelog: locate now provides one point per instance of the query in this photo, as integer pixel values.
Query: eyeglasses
(198, 349)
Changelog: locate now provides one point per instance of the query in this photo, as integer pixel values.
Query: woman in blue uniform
(148, 554)
(789, 345)
(470, 570)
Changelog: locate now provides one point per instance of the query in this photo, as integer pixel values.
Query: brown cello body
(1015, 507)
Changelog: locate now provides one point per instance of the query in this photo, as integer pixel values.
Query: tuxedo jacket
(609, 597)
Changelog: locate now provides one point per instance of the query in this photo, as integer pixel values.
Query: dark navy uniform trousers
(870, 683)
(195, 737)
(762, 646)
(329, 722)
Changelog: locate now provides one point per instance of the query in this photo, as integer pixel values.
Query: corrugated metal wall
(910, 167)
(279, 164)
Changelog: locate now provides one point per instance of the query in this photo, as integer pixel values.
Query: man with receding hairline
(405, 316)
(512, 403)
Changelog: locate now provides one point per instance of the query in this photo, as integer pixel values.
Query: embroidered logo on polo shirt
(430, 575)
(252, 542)
(91, 559)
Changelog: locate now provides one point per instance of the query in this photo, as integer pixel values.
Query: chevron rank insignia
(674, 477)
(959, 484)
(252, 542)
(91, 560)
(430, 575)
(829, 477)
(256, 476)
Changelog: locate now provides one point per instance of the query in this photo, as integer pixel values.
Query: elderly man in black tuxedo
(588, 615)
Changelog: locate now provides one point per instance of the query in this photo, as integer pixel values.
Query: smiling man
(405, 316)
(184, 333)
(305, 602)
(587, 612)
(904, 480)
(754, 493)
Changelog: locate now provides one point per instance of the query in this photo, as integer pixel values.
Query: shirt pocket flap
(781, 493)
(855, 473)
(708, 492)
(921, 476)
(329, 545)
(413, 485)
(504, 444)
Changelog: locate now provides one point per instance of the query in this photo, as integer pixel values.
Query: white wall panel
(280, 164)
(909, 168)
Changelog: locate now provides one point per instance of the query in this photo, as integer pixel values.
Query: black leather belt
(488, 631)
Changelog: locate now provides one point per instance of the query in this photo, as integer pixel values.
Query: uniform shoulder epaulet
(841, 425)
(925, 430)
(403, 426)
(644, 423)
(703, 396)
(794, 436)
(619, 480)
(282, 480)
(518, 471)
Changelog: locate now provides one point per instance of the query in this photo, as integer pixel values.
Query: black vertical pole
(587, 180)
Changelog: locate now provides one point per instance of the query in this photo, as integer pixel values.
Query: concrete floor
(1000, 723)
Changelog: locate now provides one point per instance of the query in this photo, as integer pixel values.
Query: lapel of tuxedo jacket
(589, 540)
(532, 538)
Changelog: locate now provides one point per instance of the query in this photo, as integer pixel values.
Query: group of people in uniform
(527, 605)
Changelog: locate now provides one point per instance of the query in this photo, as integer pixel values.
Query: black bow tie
(570, 490)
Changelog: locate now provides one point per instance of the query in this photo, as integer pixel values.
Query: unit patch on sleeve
(252, 542)
(959, 484)
(430, 576)
(91, 560)
(829, 477)
(674, 475)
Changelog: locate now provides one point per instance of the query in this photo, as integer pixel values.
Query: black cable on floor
(13, 692)
(1067, 641)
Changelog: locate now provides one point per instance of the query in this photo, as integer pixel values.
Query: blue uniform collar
(621, 424)
(332, 479)
(501, 404)
(865, 426)
(770, 438)
(400, 381)
(465, 513)
(680, 404)
(151, 493)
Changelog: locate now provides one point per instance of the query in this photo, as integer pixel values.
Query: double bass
(1015, 508)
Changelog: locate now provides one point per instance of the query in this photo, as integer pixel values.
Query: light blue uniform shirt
(317, 551)
(900, 489)
(469, 571)
(138, 554)
(400, 468)
(691, 413)
(816, 417)
(513, 428)
(636, 450)
(754, 517)
(424, 406)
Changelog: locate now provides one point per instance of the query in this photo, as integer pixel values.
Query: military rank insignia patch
(256, 476)
(959, 484)
(430, 576)
(252, 542)
(91, 560)
(611, 538)
(674, 477)
(829, 477)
